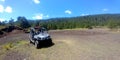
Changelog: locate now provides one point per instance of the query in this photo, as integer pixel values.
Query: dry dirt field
(68, 45)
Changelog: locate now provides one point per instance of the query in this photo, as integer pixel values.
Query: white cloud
(2, 0)
(1, 9)
(8, 9)
(36, 1)
(68, 12)
(40, 16)
(105, 9)
(47, 16)
(84, 14)
(1, 19)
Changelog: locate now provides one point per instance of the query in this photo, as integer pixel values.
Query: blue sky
(45, 9)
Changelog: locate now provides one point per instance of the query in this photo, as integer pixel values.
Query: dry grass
(8, 46)
(11, 46)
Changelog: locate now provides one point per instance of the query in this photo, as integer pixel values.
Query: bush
(88, 26)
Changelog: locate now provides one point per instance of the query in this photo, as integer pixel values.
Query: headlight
(48, 36)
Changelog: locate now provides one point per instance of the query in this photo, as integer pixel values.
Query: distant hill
(107, 20)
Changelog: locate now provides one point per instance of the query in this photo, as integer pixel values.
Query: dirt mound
(10, 30)
(16, 31)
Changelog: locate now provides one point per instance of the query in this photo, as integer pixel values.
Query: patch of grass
(26, 30)
(12, 46)
(8, 46)
(115, 30)
(1, 27)
(73, 29)
(22, 42)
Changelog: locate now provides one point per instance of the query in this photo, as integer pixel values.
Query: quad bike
(40, 38)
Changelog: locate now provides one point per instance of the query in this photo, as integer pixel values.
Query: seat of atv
(36, 31)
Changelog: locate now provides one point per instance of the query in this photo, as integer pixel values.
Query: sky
(45, 9)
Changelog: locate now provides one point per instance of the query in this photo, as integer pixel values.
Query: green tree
(11, 22)
(37, 23)
(112, 24)
(23, 22)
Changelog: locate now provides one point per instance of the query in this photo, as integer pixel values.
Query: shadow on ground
(44, 44)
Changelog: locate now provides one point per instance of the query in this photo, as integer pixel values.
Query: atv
(40, 37)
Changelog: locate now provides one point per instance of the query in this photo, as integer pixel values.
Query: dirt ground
(95, 44)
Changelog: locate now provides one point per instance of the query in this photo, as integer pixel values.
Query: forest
(111, 21)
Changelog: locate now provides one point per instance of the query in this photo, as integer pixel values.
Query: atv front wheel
(30, 41)
(37, 44)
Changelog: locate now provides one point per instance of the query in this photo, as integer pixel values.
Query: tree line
(90, 21)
